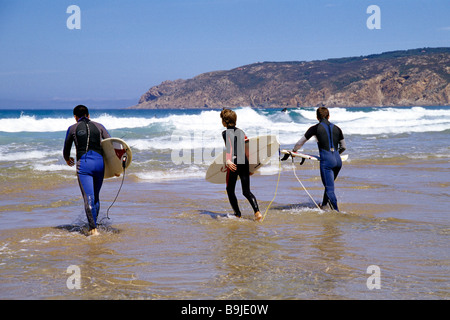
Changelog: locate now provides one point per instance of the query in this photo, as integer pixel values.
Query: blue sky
(125, 47)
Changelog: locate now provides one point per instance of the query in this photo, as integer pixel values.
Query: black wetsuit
(235, 148)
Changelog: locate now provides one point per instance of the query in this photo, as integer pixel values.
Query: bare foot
(94, 232)
(258, 216)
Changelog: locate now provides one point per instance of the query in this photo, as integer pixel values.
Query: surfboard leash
(298, 179)
(276, 188)
(124, 161)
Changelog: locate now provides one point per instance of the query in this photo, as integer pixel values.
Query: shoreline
(357, 177)
(175, 240)
(172, 235)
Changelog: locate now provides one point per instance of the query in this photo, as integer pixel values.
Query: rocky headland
(418, 77)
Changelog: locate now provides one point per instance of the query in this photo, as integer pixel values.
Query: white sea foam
(354, 121)
(179, 140)
(26, 155)
(114, 122)
(171, 174)
(26, 123)
(35, 140)
(52, 167)
(386, 120)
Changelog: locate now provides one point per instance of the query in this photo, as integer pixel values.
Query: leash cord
(124, 159)
(117, 195)
(276, 190)
(293, 168)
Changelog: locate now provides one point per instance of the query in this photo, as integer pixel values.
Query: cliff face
(419, 77)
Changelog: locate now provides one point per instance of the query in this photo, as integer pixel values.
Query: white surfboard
(115, 153)
(261, 149)
(308, 156)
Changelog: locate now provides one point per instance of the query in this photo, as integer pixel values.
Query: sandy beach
(171, 234)
(158, 74)
(174, 240)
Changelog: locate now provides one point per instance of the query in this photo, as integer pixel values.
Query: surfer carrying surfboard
(331, 143)
(87, 136)
(237, 163)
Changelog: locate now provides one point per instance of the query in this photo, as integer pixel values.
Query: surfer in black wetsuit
(87, 135)
(237, 163)
(331, 143)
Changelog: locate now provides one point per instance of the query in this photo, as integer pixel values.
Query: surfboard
(115, 152)
(261, 149)
(344, 157)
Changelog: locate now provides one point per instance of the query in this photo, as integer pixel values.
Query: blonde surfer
(237, 163)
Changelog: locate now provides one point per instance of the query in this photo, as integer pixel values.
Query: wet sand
(175, 240)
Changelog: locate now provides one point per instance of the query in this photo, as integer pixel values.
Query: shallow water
(175, 239)
(166, 242)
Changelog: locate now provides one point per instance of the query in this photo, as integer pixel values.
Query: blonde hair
(229, 117)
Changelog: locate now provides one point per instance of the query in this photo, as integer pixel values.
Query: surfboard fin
(286, 156)
(124, 161)
(302, 161)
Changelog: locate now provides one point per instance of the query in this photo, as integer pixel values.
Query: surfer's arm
(67, 147)
(70, 162)
(299, 144)
(311, 132)
(341, 143)
(104, 132)
(229, 156)
(228, 153)
(342, 146)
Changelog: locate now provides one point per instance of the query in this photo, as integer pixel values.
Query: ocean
(169, 235)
